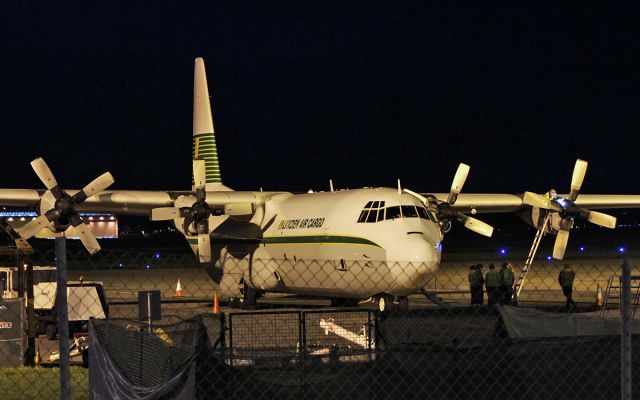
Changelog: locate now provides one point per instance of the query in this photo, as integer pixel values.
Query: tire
(385, 303)
(247, 300)
(51, 331)
(403, 303)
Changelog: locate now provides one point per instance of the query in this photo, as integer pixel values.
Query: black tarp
(128, 362)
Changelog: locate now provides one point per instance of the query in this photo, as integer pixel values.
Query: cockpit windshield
(375, 211)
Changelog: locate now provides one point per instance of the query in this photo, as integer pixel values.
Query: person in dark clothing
(565, 279)
(476, 281)
(506, 283)
(492, 283)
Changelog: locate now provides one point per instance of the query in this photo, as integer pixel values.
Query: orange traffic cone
(216, 305)
(179, 289)
(599, 297)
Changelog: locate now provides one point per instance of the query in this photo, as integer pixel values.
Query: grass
(41, 383)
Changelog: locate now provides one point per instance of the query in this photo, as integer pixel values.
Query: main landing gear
(387, 303)
(248, 297)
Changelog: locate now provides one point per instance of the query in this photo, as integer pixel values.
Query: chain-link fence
(464, 335)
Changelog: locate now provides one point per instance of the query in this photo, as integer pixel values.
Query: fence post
(625, 316)
(63, 317)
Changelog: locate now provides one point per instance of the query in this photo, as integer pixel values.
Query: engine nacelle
(263, 276)
(232, 286)
(534, 217)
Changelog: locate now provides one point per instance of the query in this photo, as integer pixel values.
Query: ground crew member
(565, 279)
(476, 281)
(492, 283)
(506, 283)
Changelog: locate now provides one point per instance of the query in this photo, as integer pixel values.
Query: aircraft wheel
(403, 303)
(248, 297)
(385, 303)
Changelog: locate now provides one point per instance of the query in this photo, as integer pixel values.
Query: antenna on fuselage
(331, 184)
(399, 187)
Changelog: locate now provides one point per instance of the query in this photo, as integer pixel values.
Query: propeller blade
(199, 174)
(536, 200)
(215, 221)
(458, 183)
(31, 228)
(44, 173)
(164, 213)
(98, 185)
(579, 172)
(602, 219)
(83, 232)
(204, 247)
(478, 226)
(560, 245)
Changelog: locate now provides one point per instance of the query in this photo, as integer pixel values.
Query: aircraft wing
(498, 203)
(129, 202)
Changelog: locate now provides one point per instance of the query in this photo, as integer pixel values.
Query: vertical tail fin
(204, 140)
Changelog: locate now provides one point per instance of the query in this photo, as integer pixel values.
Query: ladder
(532, 254)
(613, 293)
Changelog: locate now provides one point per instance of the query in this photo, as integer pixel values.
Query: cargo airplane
(378, 243)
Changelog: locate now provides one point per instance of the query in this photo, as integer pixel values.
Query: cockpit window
(409, 211)
(373, 211)
(422, 212)
(393, 212)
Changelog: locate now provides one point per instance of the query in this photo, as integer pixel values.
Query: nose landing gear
(387, 303)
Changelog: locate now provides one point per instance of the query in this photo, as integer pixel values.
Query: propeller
(445, 210)
(63, 215)
(196, 216)
(568, 210)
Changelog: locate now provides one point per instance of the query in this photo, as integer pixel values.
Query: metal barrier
(302, 347)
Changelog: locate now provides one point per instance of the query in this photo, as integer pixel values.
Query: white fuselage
(349, 243)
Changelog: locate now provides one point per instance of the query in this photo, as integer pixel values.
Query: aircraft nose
(414, 248)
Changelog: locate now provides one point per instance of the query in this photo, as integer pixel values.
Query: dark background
(364, 93)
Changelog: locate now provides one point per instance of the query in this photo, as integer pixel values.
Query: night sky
(363, 94)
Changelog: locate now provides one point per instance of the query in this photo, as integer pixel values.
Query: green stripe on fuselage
(318, 239)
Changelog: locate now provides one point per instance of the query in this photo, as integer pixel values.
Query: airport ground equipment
(86, 299)
(12, 333)
(532, 254)
(614, 292)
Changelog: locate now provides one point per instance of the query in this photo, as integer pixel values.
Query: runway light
(148, 266)
(101, 218)
(23, 219)
(90, 218)
(157, 256)
(10, 219)
(112, 218)
(503, 251)
(581, 248)
(549, 258)
(620, 249)
(121, 265)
